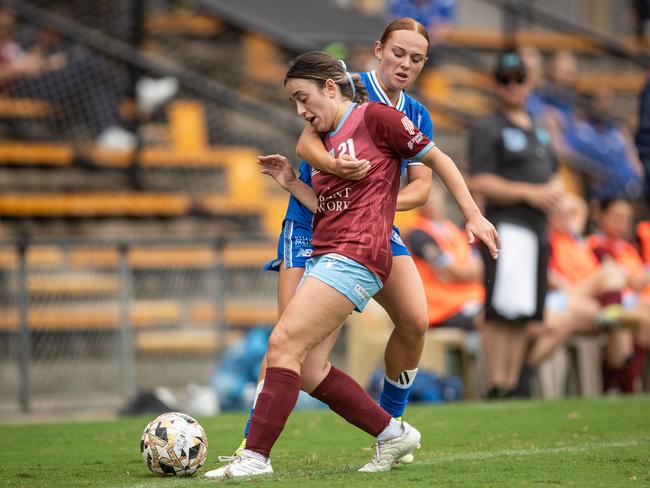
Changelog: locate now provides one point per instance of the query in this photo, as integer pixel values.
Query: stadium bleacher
(193, 171)
(189, 149)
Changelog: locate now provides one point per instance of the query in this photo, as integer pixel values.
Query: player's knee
(281, 350)
(415, 327)
(421, 324)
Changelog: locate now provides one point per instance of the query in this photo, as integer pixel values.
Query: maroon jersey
(354, 218)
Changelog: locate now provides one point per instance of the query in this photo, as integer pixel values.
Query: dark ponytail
(320, 67)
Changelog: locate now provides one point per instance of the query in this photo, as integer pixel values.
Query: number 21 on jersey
(347, 147)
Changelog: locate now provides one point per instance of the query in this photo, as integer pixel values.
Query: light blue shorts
(356, 282)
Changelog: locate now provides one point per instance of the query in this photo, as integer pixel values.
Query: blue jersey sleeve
(305, 172)
(426, 126)
(296, 211)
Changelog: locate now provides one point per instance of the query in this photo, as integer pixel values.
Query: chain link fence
(89, 325)
(127, 118)
(105, 81)
(148, 101)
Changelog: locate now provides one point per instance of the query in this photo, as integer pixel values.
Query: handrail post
(127, 346)
(220, 293)
(24, 337)
(510, 23)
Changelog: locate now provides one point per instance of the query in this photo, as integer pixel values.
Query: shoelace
(235, 458)
(375, 458)
(226, 459)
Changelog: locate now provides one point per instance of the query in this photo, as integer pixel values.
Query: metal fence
(87, 324)
(86, 60)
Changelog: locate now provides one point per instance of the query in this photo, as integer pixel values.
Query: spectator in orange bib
(615, 222)
(583, 296)
(450, 271)
(575, 266)
(643, 236)
(596, 288)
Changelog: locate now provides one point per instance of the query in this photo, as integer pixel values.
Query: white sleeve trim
(426, 149)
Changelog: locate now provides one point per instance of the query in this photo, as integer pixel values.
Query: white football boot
(406, 458)
(390, 451)
(241, 466)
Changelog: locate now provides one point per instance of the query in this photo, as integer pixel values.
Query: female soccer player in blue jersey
(401, 51)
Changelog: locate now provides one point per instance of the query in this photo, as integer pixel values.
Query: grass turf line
(575, 442)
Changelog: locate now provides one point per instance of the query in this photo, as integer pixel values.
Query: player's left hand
(279, 168)
(481, 228)
(349, 168)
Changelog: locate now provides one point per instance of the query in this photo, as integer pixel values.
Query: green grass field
(602, 442)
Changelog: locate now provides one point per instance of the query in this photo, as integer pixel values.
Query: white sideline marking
(472, 456)
(486, 455)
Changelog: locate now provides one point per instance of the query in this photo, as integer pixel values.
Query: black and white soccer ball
(174, 444)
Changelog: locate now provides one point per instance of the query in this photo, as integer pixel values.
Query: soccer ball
(174, 444)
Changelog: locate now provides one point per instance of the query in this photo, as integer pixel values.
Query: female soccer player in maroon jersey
(351, 259)
(401, 51)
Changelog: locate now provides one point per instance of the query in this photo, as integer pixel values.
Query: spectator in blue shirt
(595, 143)
(559, 92)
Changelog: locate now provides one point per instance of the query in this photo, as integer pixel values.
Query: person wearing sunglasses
(513, 169)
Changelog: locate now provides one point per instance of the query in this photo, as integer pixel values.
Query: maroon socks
(274, 404)
(347, 398)
(341, 393)
(633, 370)
(625, 378)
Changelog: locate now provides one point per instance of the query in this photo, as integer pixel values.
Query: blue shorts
(397, 245)
(294, 246)
(346, 276)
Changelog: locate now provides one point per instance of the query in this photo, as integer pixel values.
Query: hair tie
(349, 76)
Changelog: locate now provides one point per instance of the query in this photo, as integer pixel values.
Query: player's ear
(378, 49)
(330, 88)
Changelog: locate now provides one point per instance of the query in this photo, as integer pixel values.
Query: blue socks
(395, 394)
(258, 390)
(248, 424)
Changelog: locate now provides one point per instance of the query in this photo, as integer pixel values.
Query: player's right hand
(279, 168)
(350, 169)
(479, 227)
